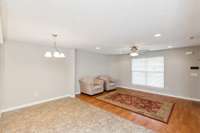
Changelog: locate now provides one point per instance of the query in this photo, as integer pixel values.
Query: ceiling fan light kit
(134, 54)
(55, 52)
(134, 51)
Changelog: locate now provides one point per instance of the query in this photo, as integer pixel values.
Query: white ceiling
(113, 25)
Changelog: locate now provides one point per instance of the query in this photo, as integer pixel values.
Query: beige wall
(199, 70)
(1, 74)
(30, 77)
(178, 79)
(1, 59)
(1, 30)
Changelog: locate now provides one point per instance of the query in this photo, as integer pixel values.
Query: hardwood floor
(185, 117)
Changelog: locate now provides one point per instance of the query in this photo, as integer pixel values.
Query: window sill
(148, 87)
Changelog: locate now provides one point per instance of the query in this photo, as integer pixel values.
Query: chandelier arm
(56, 53)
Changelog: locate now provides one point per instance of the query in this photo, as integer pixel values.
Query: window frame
(148, 86)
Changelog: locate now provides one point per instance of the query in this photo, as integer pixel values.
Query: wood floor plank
(185, 117)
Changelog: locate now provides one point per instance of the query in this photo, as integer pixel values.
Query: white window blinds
(148, 71)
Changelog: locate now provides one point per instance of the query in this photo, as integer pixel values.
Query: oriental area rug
(141, 104)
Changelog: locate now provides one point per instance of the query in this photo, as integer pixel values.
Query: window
(148, 71)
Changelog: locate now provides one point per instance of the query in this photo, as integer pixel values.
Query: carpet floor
(68, 115)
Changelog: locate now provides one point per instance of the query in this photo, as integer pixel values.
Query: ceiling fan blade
(143, 51)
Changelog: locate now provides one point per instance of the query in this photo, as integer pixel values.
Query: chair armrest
(98, 82)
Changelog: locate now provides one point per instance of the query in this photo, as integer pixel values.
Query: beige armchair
(109, 83)
(91, 86)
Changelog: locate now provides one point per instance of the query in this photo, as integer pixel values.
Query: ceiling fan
(135, 51)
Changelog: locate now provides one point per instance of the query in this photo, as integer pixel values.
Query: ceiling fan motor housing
(134, 49)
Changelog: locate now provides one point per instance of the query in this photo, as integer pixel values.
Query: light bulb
(48, 54)
(134, 54)
(157, 35)
(62, 55)
(56, 54)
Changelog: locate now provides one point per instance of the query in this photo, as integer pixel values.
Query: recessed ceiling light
(170, 46)
(98, 48)
(157, 35)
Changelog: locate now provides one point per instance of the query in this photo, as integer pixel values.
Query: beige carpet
(68, 115)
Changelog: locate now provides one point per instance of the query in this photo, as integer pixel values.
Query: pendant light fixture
(56, 53)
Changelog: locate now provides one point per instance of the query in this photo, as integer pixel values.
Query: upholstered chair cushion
(91, 85)
(109, 83)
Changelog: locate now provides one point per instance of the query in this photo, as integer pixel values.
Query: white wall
(90, 64)
(30, 77)
(178, 79)
(199, 70)
(1, 31)
(1, 74)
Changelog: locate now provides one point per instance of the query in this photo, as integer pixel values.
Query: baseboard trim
(35, 103)
(163, 94)
(77, 93)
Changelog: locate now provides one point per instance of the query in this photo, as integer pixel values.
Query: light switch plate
(188, 53)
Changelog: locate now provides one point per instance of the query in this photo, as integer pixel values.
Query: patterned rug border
(110, 92)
